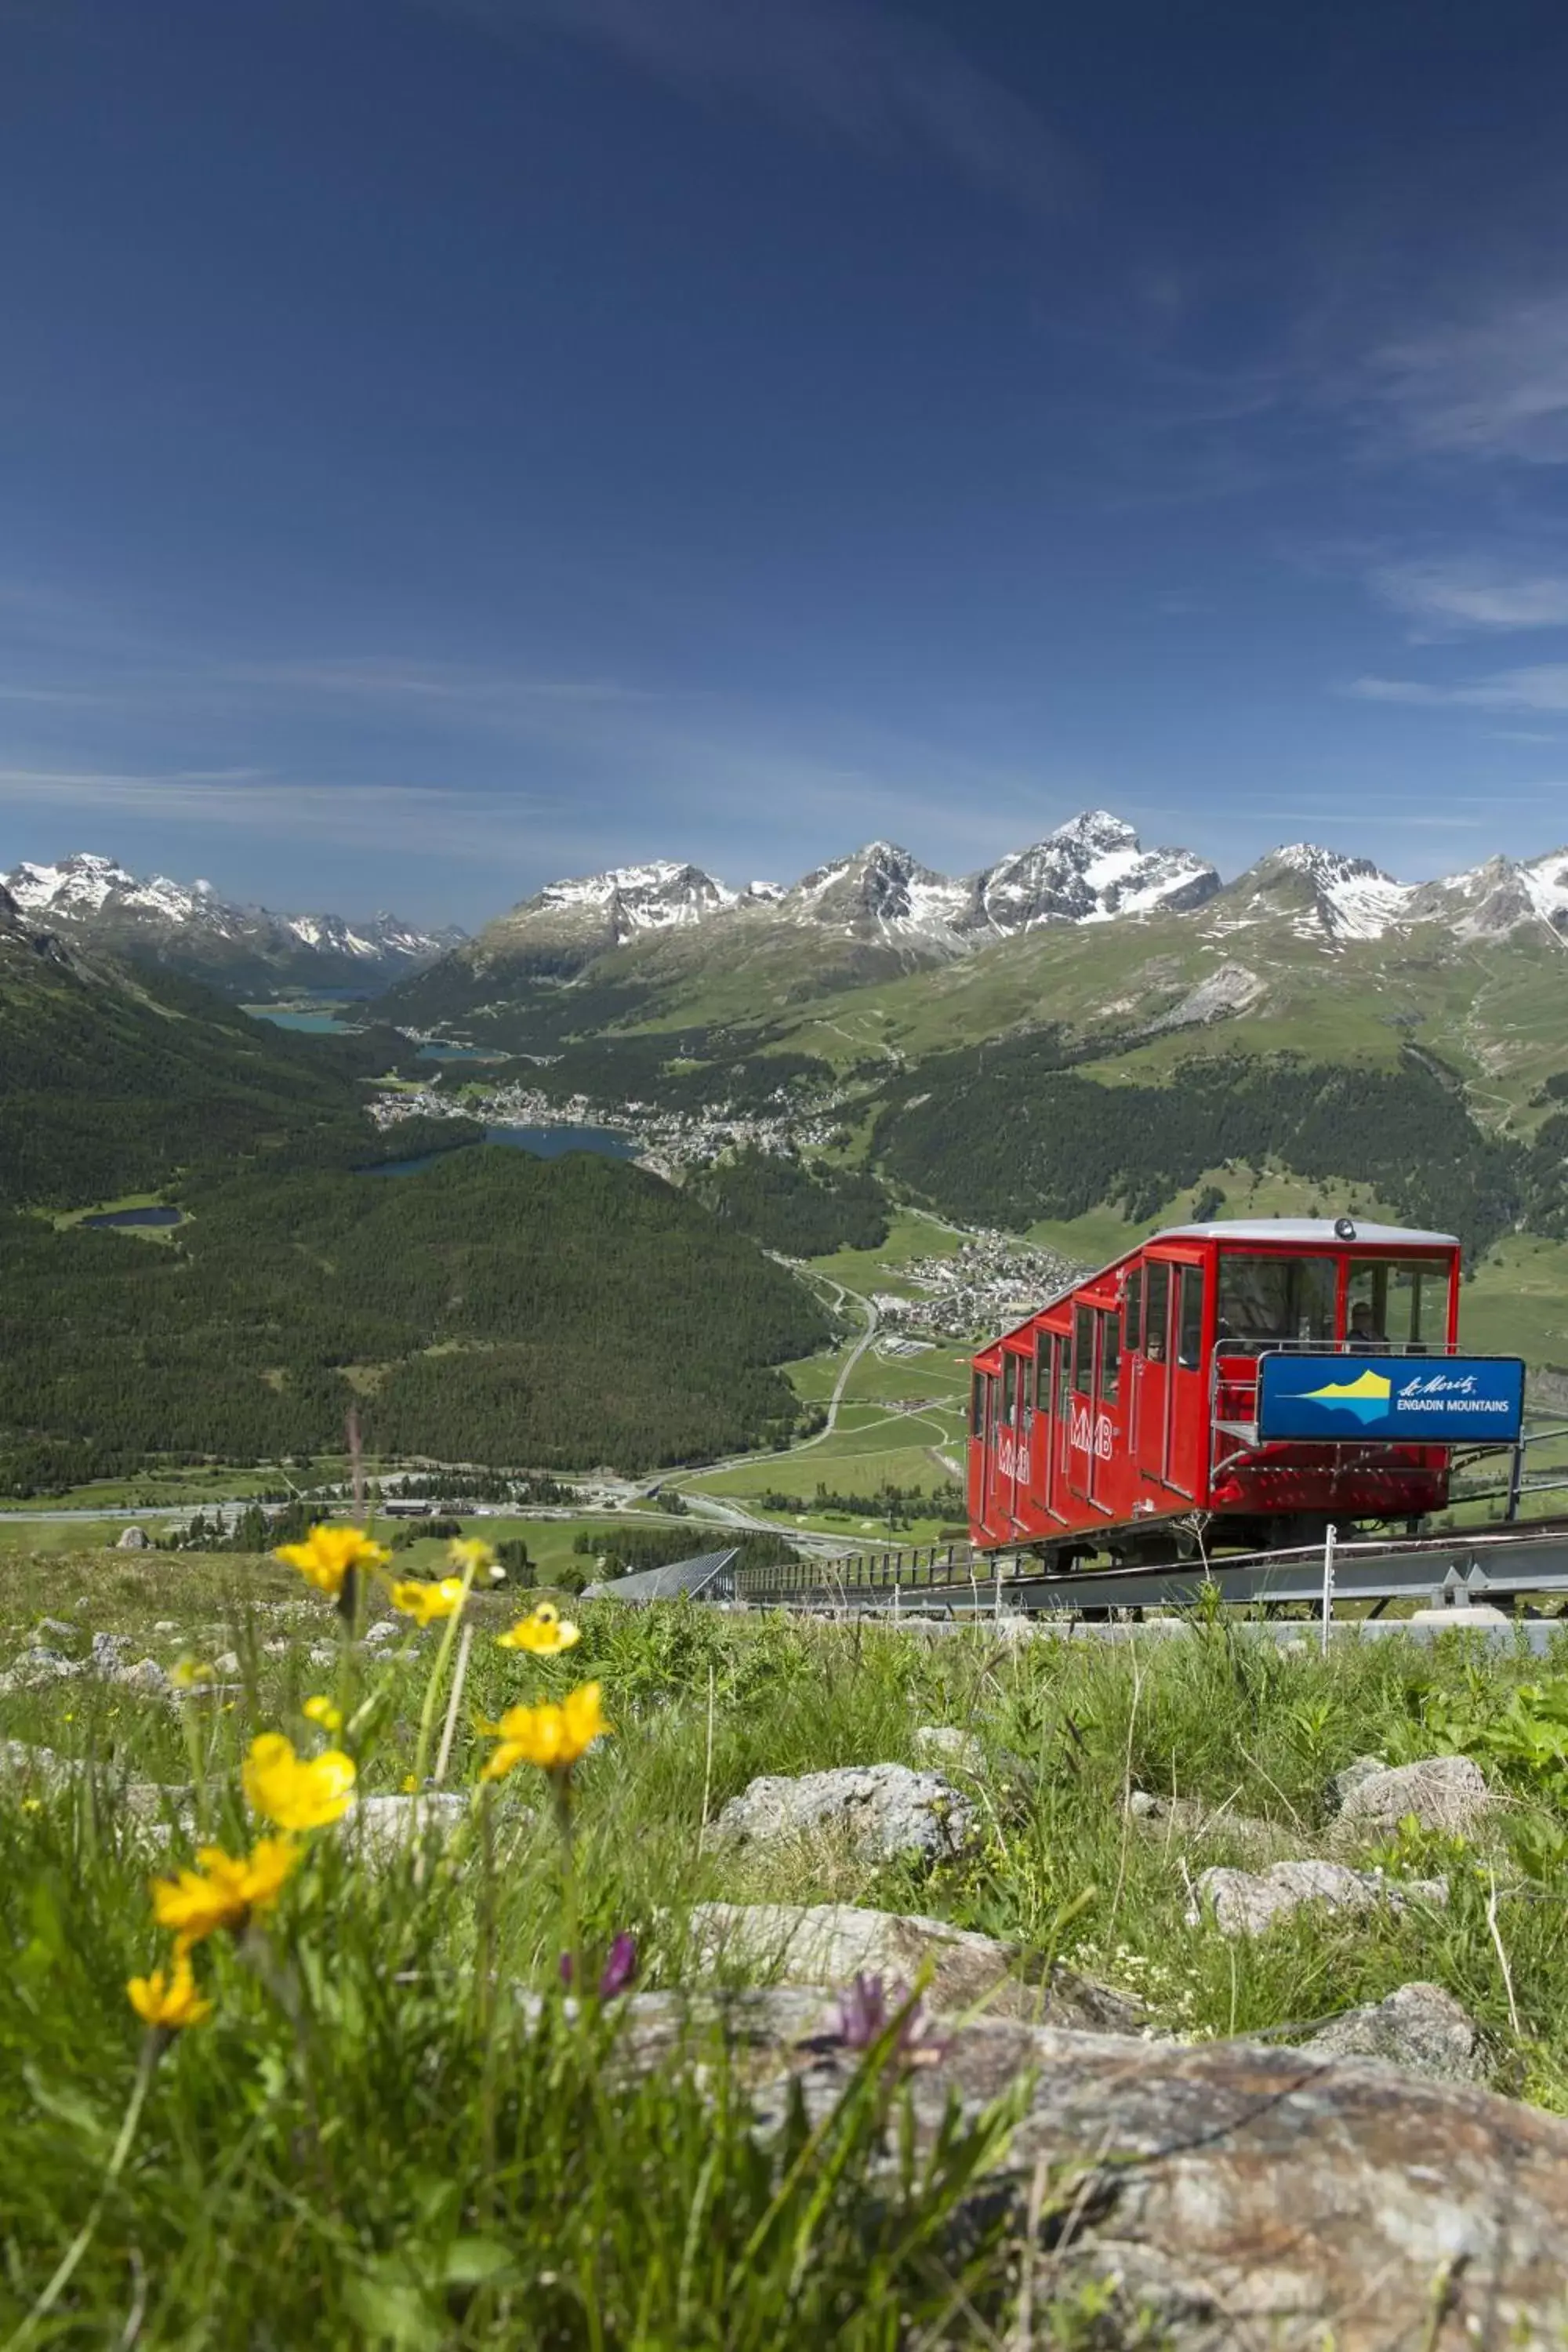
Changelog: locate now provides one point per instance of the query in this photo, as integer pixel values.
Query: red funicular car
(1260, 1379)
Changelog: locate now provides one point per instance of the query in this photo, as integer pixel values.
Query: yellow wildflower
(328, 1554)
(224, 1890)
(552, 1737)
(297, 1792)
(189, 1673)
(322, 1711)
(466, 1552)
(410, 1785)
(170, 2001)
(545, 1634)
(425, 1602)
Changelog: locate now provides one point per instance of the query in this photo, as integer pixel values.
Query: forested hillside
(788, 1205)
(1009, 1136)
(110, 1082)
(494, 1309)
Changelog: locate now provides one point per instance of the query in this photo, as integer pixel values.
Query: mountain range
(667, 934)
(93, 901)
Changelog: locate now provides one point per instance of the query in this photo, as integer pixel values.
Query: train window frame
(1132, 1313)
(1043, 1371)
(1109, 1355)
(1429, 1274)
(1083, 1351)
(1192, 1288)
(1157, 1328)
(977, 1405)
(1304, 1320)
(1064, 1376)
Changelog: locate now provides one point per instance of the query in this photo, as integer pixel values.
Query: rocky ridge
(94, 901)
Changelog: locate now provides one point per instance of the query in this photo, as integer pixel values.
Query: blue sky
(445, 443)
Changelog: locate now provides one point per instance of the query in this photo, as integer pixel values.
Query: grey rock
(381, 1827)
(1241, 2197)
(1248, 1903)
(57, 1629)
(107, 1652)
(1352, 1775)
(21, 1759)
(165, 1625)
(944, 1744)
(131, 1539)
(829, 1943)
(228, 1664)
(146, 1677)
(1418, 2027)
(885, 1812)
(1185, 1819)
(1442, 1792)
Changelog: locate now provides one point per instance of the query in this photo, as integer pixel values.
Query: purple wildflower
(620, 1968)
(867, 2011)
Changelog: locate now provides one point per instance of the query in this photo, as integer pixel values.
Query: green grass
(27, 1535)
(376, 2141)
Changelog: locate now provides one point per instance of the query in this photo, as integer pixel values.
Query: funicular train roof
(1313, 1231)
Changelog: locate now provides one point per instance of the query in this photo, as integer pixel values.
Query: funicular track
(1524, 1562)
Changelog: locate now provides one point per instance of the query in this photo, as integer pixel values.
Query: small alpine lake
(119, 1219)
(543, 1142)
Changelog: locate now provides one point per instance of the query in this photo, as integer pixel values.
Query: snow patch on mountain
(91, 896)
(1092, 870)
(1498, 896)
(882, 887)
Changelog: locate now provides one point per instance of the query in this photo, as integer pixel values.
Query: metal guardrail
(1456, 1570)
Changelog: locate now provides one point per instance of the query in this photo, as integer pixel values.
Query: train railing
(892, 1577)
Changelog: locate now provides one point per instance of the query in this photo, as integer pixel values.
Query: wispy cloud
(874, 79)
(1543, 687)
(402, 816)
(1493, 384)
(1466, 594)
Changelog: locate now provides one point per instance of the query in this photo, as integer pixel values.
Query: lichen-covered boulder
(887, 1812)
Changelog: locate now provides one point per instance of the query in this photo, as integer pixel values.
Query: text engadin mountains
(93, 901)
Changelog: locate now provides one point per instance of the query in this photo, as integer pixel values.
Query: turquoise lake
(543, 1142)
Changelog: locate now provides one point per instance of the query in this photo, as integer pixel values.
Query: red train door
(1152, 1423)
(1105, 1435)
(1079, 1456)
(1041, 1453)
(1188, 1445)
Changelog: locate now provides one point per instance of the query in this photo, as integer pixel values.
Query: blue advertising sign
(1448, 1400)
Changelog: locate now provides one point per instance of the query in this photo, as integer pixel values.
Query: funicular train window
(1266, 1300)
(977, 1406)
(1398, 1303)
(1009, 1389)
(1190, 1338)
(1083, 1350)
(1064, 1374)
(1042, 1371)
(1157, 1315)
(1109, 1358)
(1132, 1311)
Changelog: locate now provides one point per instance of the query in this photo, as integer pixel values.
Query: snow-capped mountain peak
(1327, 896)
(188, 926)
(1089, 870)
(636, 898)
(881, 883)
